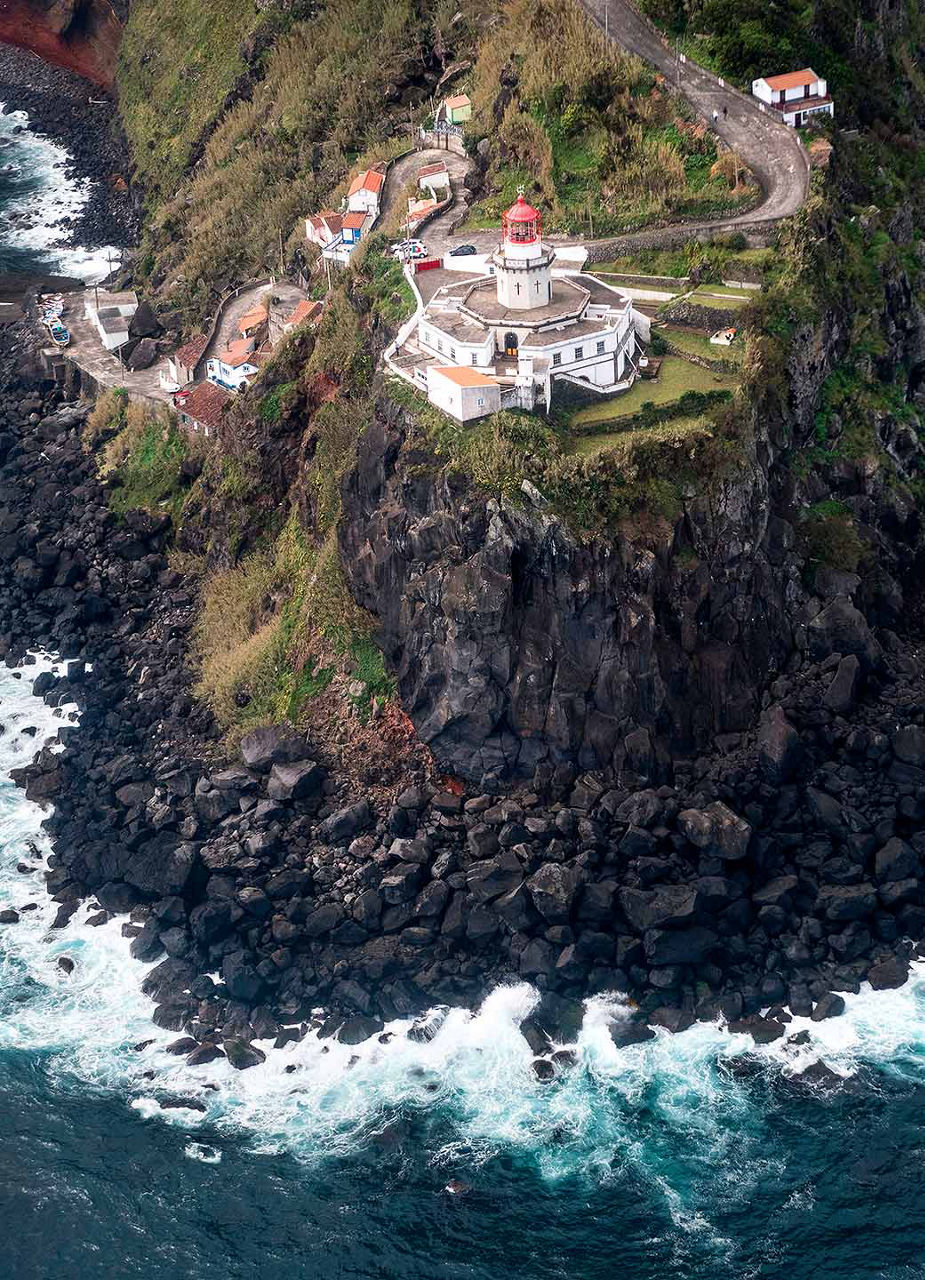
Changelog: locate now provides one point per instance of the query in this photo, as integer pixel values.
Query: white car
(408, 250)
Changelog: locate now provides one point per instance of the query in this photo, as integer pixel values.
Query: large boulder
(841, 693)
(841, 628)
(846, 902)
(299, 780)
(896, 860)
(144, 323)
(716, 828)
(242, 1055)
(143, 356)
(553, 889)
(275, 744)
(679, 946)
(673, 906)
(495, 876)
(909, 745)
(780, 751)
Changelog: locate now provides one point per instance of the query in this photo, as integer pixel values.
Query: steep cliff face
(82, 35)
(515, 642)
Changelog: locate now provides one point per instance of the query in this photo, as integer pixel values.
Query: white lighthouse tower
(523, 264)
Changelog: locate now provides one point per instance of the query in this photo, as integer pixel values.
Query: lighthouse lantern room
(522, 262)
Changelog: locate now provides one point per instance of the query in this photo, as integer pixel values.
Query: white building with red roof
(201, 407)
(365, 192)
(800, 96)
(322, 228)
(234, 367)
(181, 366)
(435, 178)
(526, 326)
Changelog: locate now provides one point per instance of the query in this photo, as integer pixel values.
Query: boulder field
(780, 869)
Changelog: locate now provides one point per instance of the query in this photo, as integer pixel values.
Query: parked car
(463, 251)
(408, 250)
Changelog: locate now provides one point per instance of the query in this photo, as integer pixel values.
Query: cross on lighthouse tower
(522, 262)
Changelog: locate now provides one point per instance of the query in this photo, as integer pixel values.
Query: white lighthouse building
(523, 264)
(522, 327)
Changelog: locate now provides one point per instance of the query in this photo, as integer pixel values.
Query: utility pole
(282, 264)
(607, 19)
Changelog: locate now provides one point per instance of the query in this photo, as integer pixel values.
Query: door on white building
(510, 345)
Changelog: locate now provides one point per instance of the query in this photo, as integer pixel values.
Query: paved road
(89, 354)
(771, 150)
(404, 171)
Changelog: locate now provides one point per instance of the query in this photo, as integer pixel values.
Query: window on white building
(556, 358)
(480, 401)
(439, 344)
(452, 353)
(600, 348)
(474, 360)
(579, 353)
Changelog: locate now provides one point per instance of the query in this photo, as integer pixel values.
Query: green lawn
(677, 375)
(724, 291)
(698, 344)
(713, 257)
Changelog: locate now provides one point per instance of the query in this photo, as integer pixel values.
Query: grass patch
(142, 457)
(675, 378)
(713, 261)
(177, 63)
(680, 427)
(699, 344)
(829, 536)
(598, 144)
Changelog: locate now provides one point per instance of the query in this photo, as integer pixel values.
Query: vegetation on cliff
(594, 134)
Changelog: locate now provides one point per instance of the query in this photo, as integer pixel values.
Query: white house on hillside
(435, 178)
(365, 191)
(798, 96)
(463, 392)
(233, 367)
(322, 228)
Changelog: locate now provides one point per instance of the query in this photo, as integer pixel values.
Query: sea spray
(38, 203)
(664, 1113)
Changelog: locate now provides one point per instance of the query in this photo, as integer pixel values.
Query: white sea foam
(32, 217)
(615, 1111)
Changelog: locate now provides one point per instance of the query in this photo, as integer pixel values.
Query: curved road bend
(770, 149)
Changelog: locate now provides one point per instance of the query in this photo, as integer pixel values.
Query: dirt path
(770, 149)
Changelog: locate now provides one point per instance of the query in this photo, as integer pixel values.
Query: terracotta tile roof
(354, 221)
(792, 80)
(237, 353)
(368, 181)
(465, 376)
(326, 220)
(204, 404)
(458, 100)
(305, 310)
(431, 170)
(188, 356)
(252, 318)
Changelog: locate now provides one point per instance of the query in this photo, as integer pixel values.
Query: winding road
(771, 150)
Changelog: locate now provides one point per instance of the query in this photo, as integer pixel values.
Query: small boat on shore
(57, 331)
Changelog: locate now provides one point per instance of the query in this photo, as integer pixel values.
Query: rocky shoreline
(781, 872)
(83, 119)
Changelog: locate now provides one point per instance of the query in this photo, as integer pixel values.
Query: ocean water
(35, 195)
(686, 1156)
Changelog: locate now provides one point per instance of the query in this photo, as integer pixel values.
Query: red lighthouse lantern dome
(522, 224)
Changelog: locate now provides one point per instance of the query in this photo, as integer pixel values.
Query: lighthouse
(523, 264)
